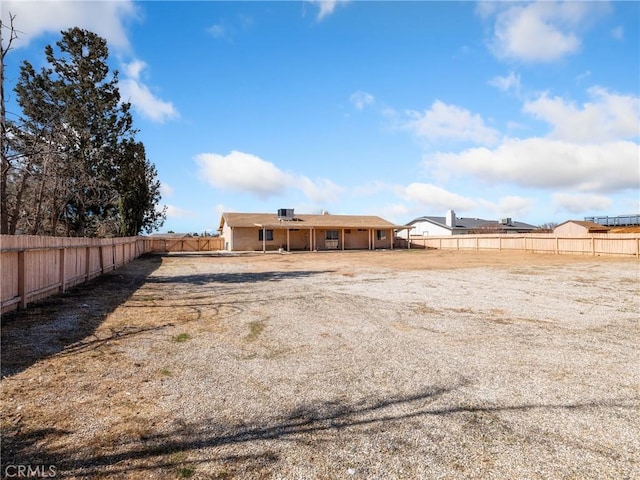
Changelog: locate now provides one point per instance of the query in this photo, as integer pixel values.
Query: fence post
(63, 280)
(88, 260)
(22, 280)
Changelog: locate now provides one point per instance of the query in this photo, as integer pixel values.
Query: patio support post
(264, 239)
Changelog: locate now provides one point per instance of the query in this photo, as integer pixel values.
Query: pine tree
(76, 140)
(139, 191)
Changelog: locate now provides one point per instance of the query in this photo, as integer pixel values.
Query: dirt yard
(364, 365)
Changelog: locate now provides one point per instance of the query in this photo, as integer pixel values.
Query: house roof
(590, 226)
(473, 223)
(271, 220)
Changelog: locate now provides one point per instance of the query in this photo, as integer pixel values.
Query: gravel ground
(376, 365)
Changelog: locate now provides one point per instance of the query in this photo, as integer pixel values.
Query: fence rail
(594, 244)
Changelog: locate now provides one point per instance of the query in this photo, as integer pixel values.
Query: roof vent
(285, 214)
(505, 221)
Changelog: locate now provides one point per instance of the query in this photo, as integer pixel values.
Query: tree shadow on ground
(239, 277)
(60, 322)
(166, 452)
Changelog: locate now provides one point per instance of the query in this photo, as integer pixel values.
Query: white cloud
(134, 68)
(229, 28)
(580, 203)
(166, 190)
(145, 102)
(609, 116)
(369, 189)
(510, 206)
(361, 99)
(217, 31)
(107, 19)
(486, 9)
(449, 122)
(174, 212)
(326, 7)
(320, 191)
(395, 212)
(583, 76)
(244, 172)
(434, 197)
(545, 163)
(618, 33)
(510, 82)
(133, 90)
(542, 31)
(219, 209)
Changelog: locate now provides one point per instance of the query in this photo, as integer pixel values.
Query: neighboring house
(452, 225)
(576, 228)
(268, 231)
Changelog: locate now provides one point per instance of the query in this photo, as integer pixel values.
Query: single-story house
(576, 228)
(452, 225)
(288, 231)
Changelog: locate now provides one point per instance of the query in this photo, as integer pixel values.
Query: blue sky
(397, 109)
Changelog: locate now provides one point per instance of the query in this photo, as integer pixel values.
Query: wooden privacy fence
(35, 267)
(187, 244)
(626, 244)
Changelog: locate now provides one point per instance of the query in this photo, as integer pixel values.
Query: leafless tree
(4, 147)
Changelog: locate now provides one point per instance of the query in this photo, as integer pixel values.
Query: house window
(331, 235)
(269, 235)
(381, 234)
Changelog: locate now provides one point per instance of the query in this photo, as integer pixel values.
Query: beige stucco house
(288, 231)
(576, 228)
